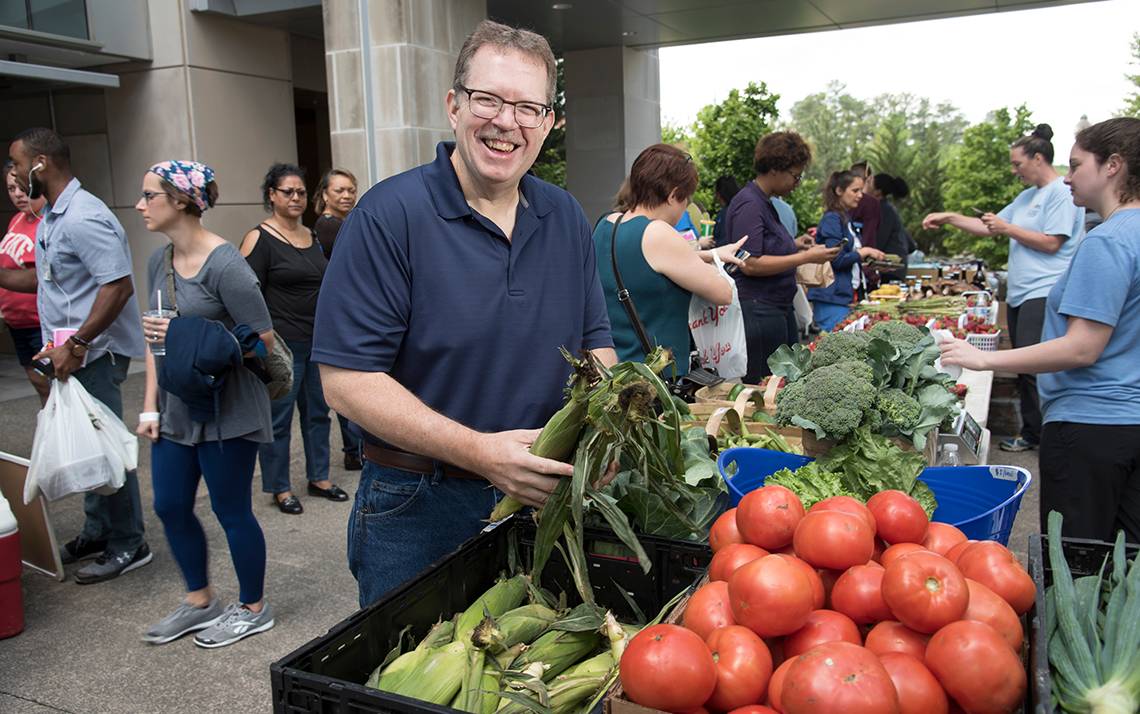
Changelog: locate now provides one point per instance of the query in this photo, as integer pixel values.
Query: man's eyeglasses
(486, 105)
(290, 192)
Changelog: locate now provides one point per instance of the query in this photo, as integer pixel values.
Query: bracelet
(147, 417)
(79, 340)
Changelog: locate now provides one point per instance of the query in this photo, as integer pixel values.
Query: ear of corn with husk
(500, 598)
(558, 650)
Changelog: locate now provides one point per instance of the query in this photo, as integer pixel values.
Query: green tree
(838, 126)
(724, 137)
(673, 134)
(1132, 108)
(978, 176)
(551, 162)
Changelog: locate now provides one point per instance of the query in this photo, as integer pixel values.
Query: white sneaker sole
(242, 636)
(193, 628)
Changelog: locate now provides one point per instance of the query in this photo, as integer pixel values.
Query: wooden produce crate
(751, 398)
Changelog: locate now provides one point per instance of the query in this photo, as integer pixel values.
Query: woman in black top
(892, 236)
(289, 263)
(336, 196)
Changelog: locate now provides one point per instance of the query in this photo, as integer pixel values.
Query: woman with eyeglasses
(767, 280)
(841, 195)
(290, 265)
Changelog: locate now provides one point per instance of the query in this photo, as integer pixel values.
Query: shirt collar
(61, 203)
(447, 195)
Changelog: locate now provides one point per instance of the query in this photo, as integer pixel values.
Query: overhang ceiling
(588, 24)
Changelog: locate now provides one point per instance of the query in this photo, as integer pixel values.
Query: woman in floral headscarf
(201, 274)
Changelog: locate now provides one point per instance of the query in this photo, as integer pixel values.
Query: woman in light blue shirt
(1044, 228)
(1089, 361)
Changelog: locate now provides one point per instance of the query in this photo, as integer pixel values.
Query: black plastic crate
(1084, 557)
(327, 675)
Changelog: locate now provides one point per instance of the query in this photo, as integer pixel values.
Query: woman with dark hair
(658, 267)
(841, 195)
(211, 280)
(336, 196)
(1044, 228)
(18, 252)
(892, 237)
(767, 279)
(1089, 373)
(726, 188)
(290, 265)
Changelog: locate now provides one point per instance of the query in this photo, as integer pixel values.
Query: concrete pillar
(389, 65)
(613, 111)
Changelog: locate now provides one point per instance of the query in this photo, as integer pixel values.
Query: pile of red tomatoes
(847, 607)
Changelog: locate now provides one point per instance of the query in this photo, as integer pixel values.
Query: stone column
(389, 65)
(613, 111)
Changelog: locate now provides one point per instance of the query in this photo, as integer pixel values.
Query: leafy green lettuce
(811, 482)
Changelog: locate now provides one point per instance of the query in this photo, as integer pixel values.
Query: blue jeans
(349, 439)
(117, 518)
(827, 315)
(403, 522)
(315, 421)
(228, 470)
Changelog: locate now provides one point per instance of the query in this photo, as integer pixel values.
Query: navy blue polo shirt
(426, 289)
(751, 213)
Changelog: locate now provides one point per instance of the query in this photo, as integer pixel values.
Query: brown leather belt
(406, 461)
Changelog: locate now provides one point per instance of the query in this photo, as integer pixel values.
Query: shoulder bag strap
(624, 296)
(169, 260)
(273, 231)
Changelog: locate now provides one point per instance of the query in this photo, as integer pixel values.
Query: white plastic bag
(718, 332)
(80, 445)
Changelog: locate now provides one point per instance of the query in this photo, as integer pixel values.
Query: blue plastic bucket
(981, 501)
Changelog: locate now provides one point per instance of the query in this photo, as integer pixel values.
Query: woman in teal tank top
(661, 270)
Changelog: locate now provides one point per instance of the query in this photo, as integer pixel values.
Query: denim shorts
(402, 522)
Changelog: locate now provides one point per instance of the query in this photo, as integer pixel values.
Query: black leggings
(1025, 324)
(1090, 473)
(766, 327)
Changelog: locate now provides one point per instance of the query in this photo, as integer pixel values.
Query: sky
(1061, 62)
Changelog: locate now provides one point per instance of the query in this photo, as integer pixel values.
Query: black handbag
(684, 387)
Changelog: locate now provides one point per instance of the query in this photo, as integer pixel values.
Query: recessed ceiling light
(561, 6)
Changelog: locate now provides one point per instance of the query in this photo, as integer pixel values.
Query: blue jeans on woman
(310, 400)
(403, 522)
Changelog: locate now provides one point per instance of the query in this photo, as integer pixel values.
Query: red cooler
(11, 596)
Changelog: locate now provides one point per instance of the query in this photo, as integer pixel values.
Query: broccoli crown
(834, 398)
(896, 332)
(898, 408)
(839, 346)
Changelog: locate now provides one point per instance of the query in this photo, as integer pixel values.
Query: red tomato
(986, 606)
(768, 516)
(668, 667)
(919, 692)
(776, 685)
(822, 626)
(724, 531)
(956, 551)
(941, 537)
(708, 609)
(994, 566)
(838, 677)
(898, 550)
(754, 709)
(847, 504)
(893, 636)
(834, 539)
(743, 666)
(818, 595)
(725, 562)
(898, 517)
(858, 594)
(925, 591)
(771, 596)
(976, 667)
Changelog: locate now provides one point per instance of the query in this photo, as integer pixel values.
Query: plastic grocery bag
(80, 445)
(718, 332)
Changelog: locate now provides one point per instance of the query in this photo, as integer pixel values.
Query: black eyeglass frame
(545, 109)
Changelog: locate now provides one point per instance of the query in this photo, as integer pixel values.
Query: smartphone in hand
(732, 268)
(977, 211)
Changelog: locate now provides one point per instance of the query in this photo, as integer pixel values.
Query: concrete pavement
(81, 650)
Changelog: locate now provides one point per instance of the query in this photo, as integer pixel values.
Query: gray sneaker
(236, 623)
(185, 618)
(111, 565)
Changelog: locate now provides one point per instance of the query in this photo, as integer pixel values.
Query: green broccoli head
(896, 332)
(832, 400)
(840, 346)
(898, 409)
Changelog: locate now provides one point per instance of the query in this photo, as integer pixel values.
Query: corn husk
(558, 650)
(500, 598)
(439, 678)
(523, 624)
(409, 662)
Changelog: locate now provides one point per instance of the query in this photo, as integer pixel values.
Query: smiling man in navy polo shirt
(451, 290)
